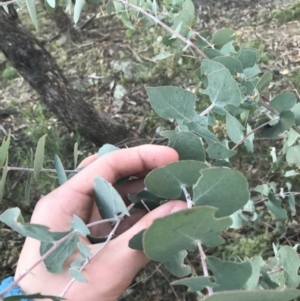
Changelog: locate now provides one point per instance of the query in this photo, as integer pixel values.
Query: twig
(43, 170)
(202, 38)
(165, 26)
(109, 237)
(250, 133)
(207, 110)
(204, 266)
(188, 198)
(53, 248)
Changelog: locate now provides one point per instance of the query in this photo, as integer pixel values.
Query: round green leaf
(231, 63)
(182, 230)
(167, 181)
(283, 101)
(222, 37)
(223, 188)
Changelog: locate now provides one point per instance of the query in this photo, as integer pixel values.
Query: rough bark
(40, 70)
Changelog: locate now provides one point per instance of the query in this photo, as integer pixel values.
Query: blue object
(14, 291)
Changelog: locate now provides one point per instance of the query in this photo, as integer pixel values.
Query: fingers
(121, 163)
(130, 261)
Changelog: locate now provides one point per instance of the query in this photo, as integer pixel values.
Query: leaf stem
(188, 198)
(204, 266)
(253, 131)
(165, 26)
(207, 110)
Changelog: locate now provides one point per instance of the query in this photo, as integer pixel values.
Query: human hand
(113, 269)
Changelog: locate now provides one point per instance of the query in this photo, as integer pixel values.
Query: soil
(252, 19)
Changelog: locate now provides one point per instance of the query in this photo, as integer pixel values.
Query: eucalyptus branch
(165, 26)
(202, 38)
(32, 169)
(250, 133)
(109, 237)
(188, 198)
(204, 266)
(52, 249)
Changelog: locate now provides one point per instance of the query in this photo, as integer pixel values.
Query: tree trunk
(40, 70)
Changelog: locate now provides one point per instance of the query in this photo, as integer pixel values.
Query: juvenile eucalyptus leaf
(161, 56)
(62, 177)
(32, 12)
(252, 71)
(78, 225)
(136, 242)
(215, 150)
(182, 230)
(229, 275)
(4, 149)
(248, 57)
(27, 188)
(283, 101)
(106, 148)
(108, 200)
(13, 218)
(292, 155)
(39, 156)
(212, 53)
(77, 275)
(186, 19)
(51, 3)
(232, 64)
(292, 203)
(77, 9)
(167, 181)
(189, 6)
(78, 263)
(228, 48)
(187, 145)
(222, 37)
(32, 297)
(234, 128)
(151, 200)
(220, 85)
(208, 67)
(196, 284)
(54, 262)
(274, 205)
(256, 263)
(223, 188)
(173, 103)
(110, 8)
(296, 111)
(290, 262)
(264, 81)
(75, 154)
(286, 121)
(262, 295)
(249, 141)
(3, 180)
(176, 265)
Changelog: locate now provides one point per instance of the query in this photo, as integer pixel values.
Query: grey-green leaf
(223, 188)
(107, 148)
(274, 205)
(39, 156)
(283, 101)
(264, 81)
(32, 12)
(292, 155)
(248, 57)
(62, 177)
(173, 103)
(229, 275)
(259, 295)
(220, 85)
(232, 64)
(215, 150)
(77, 275)
(182, 230)
(4, 149)
(77, 9)
(234, 128)
(167, 181)
(176, 265)
(78, 225)
(13, 218)
(187, 145)
(222, 37)
(196, 284)
(3, 180)
(108, 200)
(54, 262)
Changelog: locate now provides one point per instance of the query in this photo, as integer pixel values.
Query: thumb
(131, 261)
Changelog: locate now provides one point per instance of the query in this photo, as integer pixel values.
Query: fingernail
(175, 209)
